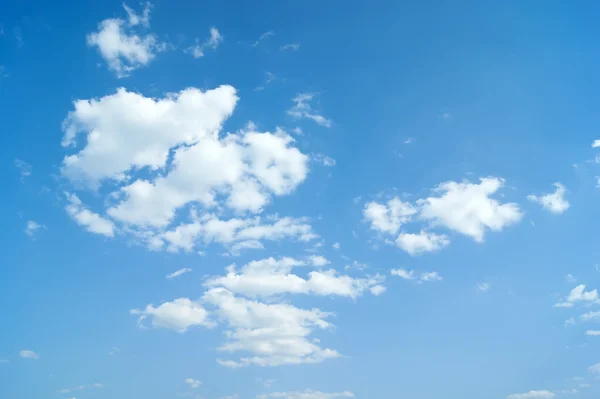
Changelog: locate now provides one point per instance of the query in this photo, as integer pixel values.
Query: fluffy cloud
(127, 131)
(416, 244)
(165, 154)
(29, 354)
(178, 315)
(465, 207)
(215, 38)
(272, 276)
(91, 221)
(307, 394)
(236, 233)
(302, 109)
(578, 294)
(273, 334)
(596, 144)
(532, 395)
(123, 50)
(468, 209)
(417, 277)
(554, 202)
(388, 217)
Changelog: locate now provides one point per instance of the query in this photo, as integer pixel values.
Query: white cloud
(290, 46)
(29, 354)
(593, 333)
(123, 50)
(462, 207)
(336, 245)
(412, 275)
(178, 315)
(273, 334)
(215, 38)
(570, 278)
(388, 217)
(532, 395)
(307, 394)
(193, 383)
(596, 144)
(127, 131)
(578, 294)
(178, 273)
(483, 287)
(468, 209)
(378, 289)
(32, 227)
(262, 37)
(268, 277)
(416, 244)
(555, 202)
(302, 109)
(91, 221)
(175, 142)
(595, 369)
(591, 316)
(237, 234)
(24, 168)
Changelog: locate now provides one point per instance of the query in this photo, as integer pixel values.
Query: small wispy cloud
(269, 78)
(290, 47)
(262, 37)
(29, 354)
(32, 227)
(192, 383)
(323, 159)
(178, 273)
(215, 39)
(483, 287)
(302, 109)
(23, 167)
(419, 278)
(81, 388)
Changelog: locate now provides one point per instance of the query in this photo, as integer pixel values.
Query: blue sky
(299, 200)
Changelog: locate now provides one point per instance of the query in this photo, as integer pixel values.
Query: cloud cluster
(250, 303)
(464, 207)
(154, 157)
